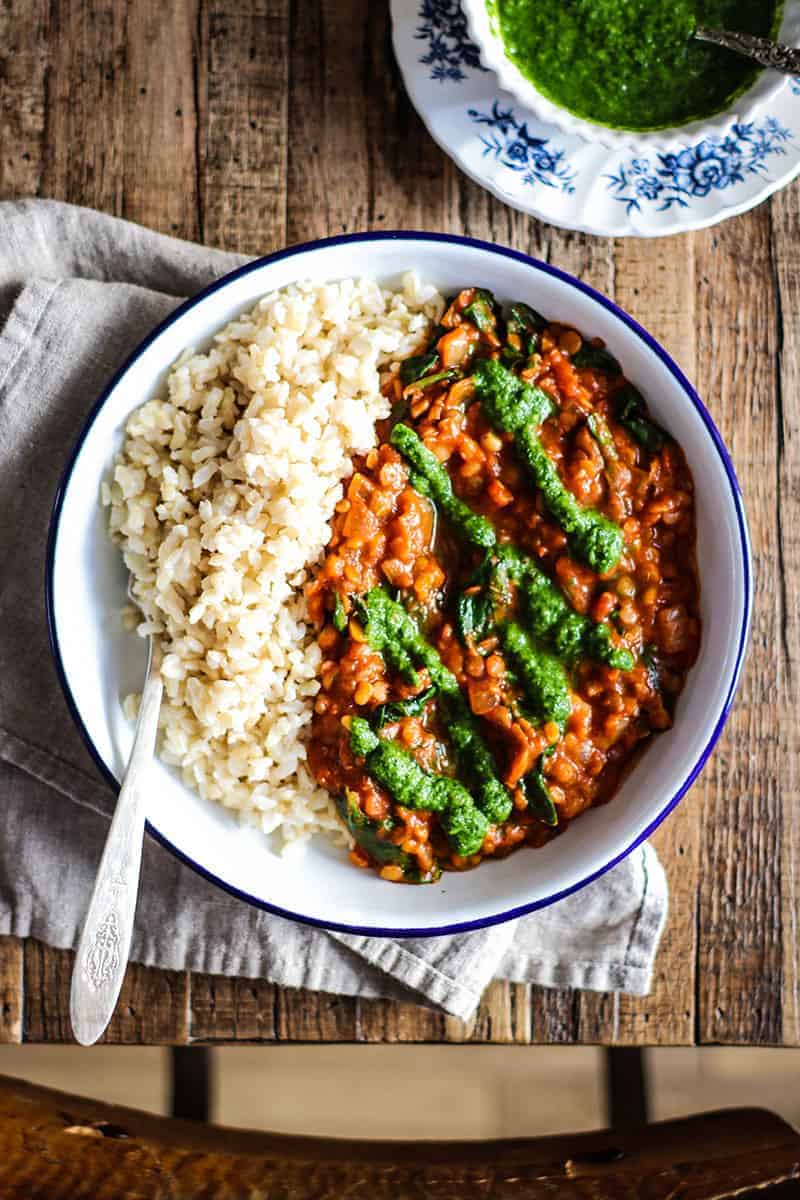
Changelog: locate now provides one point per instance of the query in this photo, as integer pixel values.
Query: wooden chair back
(55, 1146)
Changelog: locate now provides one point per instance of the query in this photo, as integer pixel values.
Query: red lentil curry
(508, 605)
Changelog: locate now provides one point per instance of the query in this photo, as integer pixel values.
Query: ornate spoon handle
(763, 50)
(105, 942)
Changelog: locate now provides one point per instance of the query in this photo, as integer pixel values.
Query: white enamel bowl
(765, 89)
(99, 663)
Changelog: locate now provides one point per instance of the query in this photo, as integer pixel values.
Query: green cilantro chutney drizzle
(632, 64)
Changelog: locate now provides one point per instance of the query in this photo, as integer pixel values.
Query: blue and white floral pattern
(574, 182)
(443, 25)
(508, 140)
(693, 173)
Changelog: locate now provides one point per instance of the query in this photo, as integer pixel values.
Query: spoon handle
(105, 942)
(763, 50)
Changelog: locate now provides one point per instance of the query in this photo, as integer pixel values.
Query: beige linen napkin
(78, 291)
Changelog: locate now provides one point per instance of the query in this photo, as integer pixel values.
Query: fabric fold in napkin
(78, 291)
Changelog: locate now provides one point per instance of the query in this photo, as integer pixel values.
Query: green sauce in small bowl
(632, 64)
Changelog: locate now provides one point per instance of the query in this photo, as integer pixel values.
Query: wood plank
(397, 1021)
(504, 1017)
(103, 70)
(153, 1007)
(85, 127)
(46, 998)
(654, 282)
(494, 1019)
(328, 163)
(785, 223)
(23, 64)
(302, 1016)
(740, 922)
(555, 1016)
(11, 990)
(407, 172)
(229, 1010)
(244, 58)
(95, 71)
(359, 157)
(162, 104)
(355, 143)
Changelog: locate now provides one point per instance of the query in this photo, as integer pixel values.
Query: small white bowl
(98, 662)
(483, 32)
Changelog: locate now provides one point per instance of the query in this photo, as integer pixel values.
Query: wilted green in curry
(632, 64)
(508, 603)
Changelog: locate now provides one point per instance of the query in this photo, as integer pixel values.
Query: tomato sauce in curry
(509, 603)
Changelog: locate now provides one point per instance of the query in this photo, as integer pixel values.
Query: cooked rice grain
(221, 501)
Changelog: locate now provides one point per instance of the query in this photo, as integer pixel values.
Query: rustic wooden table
(255, 124)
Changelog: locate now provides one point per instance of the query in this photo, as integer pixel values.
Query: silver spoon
(105, 943)
(766, 52)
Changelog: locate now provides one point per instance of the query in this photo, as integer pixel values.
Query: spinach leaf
(388, 713)
(511, 357)
(500, 583)
(473, 616)
(482, 311)
(536, 791)
(596, 357)
(528, 324)
(339, 615)
(360, 610)
(418, 365)
(372, 836)
(631, 412)
(439, 377)
(601, 432)
(598, 427)
(475, 613)
(415, 875)
(650, 660)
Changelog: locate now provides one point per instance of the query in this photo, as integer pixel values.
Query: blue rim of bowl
(537, 265)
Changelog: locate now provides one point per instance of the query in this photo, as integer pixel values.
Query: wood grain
(739, 882)
(785, 225)
(24, 32)
(56, 1146)
(160, 98)
(242, 158)
(231, 1010)
(11, 990)
(153, 1007)
(268, 122)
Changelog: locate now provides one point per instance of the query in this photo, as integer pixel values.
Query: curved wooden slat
(55, 1146)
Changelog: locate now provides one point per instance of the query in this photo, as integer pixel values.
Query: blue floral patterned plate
(574, 183)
